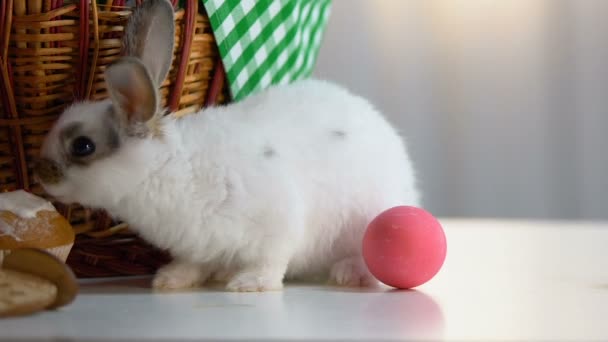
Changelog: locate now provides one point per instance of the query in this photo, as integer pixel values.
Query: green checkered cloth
(264, 42)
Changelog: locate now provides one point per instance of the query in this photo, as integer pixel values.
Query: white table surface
(502, 280)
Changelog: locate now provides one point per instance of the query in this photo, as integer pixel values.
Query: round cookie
(22, 293)
(48, 267)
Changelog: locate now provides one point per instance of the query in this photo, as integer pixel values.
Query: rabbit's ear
(132, 91)
(149, 36)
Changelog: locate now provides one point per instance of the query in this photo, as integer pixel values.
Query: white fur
(207, 192)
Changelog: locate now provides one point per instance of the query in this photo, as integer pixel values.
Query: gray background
(504, 103)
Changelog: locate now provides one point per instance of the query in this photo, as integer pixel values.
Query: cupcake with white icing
(29, 221)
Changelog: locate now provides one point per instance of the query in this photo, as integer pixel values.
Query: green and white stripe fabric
(264, 42)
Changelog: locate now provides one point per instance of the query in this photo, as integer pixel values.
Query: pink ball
(404, 247)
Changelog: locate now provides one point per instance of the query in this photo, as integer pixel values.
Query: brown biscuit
(22, 293)
(48, 267)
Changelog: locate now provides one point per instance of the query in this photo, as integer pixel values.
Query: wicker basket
(54, 52)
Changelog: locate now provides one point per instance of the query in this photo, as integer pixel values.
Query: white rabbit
(278, 186)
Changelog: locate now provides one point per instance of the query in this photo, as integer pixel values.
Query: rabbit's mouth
(56, 195)
(50, 176)
(47, 172)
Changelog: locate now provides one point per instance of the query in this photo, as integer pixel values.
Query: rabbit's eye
(82, 147)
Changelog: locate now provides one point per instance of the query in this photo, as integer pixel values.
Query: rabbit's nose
(48, 171)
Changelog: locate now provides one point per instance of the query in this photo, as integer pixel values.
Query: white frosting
(10, 230)
(23, 204)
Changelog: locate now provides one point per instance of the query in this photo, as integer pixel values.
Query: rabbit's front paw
(177, 275)
(352, 272)
(223, 275)
(256, 281)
